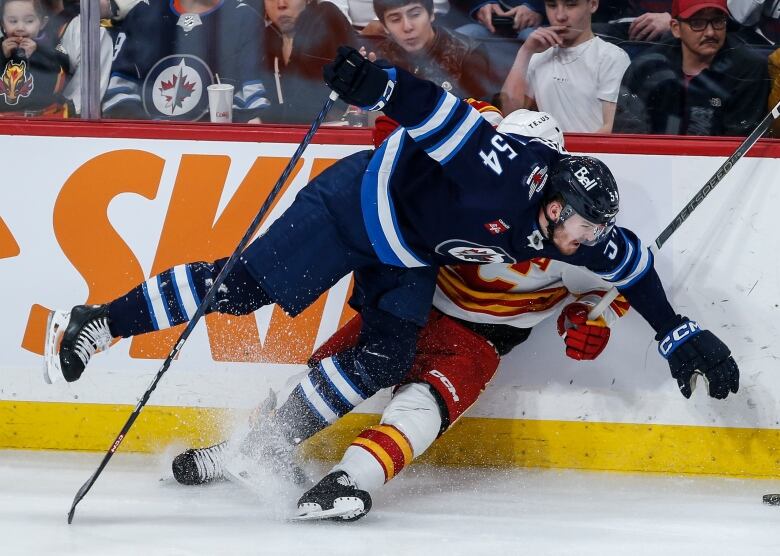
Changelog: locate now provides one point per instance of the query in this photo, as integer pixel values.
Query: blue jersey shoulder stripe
(377, 205)
(445, 108)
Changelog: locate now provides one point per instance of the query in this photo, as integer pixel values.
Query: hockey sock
(327, 392)
(410, 424)
(173, 296)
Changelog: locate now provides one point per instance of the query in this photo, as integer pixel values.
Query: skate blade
(237, 469)
(55, 328)
(344, 508)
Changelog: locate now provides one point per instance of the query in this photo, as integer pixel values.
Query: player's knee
(239, 294)
(386, 347)
(415, 411)
(386, 365)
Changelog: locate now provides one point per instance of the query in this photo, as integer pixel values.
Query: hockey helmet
(532, 124)
(587, 188)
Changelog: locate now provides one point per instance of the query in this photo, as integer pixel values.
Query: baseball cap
(682, 9)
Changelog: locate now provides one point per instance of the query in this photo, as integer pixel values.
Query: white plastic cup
(221, 102)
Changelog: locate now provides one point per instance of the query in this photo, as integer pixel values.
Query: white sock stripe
(341, 382)
(316, 400)
(158, 305)
(185, 292)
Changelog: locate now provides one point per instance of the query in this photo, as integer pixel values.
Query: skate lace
(95, 336)
(209, 461)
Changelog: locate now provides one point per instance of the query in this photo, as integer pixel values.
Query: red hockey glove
(585, 339)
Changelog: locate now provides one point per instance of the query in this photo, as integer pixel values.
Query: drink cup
(221, 102)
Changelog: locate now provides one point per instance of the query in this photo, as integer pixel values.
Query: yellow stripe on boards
(381, 453)
(472, 441)
(85, 426)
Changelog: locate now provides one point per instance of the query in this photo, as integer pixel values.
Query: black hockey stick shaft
(762, 127)
(201, 310)
(719, 174)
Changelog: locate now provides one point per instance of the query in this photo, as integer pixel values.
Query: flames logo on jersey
(16, 83)
(175, 87)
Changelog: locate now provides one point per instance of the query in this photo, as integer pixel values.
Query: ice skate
(266, 445)
(72, 338)
(198, 466)
(335, 498)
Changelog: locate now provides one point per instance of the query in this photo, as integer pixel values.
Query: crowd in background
(683, 67)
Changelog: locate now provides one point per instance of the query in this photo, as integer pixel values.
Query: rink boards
(93, 214)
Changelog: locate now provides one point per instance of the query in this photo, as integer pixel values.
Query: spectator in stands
(33, 71)
(565, 70)
(302, 37)
(634, 20)
(701, 84)
(169, 52)
(503, 18)
(71, 45)
(416, 43)
(760, 20)
(362, 16)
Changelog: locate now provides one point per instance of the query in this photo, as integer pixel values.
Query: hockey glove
(691, 352)
(585, 339)
(359, 82)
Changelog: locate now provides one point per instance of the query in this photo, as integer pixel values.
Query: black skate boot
(72, 338)
(334, 498)
(197, 466)
(267, 446)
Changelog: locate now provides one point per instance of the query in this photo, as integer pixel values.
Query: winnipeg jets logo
(536, 240)
(188, 22)
(473, 252)
(174, 89)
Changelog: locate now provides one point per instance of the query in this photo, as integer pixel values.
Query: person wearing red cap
(700, 84)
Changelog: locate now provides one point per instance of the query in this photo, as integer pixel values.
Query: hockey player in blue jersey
(446, 188)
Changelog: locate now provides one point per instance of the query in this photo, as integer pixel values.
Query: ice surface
(137, 508)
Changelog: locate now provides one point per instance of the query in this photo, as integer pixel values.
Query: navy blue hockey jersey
(448, 188)
(164, 58)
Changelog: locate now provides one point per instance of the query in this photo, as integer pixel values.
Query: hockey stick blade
(201, 310)
(762, 127)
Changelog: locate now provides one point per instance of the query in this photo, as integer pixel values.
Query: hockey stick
(683, 215)
(206, 300)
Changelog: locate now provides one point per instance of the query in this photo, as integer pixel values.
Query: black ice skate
(72, 338)
(335, 498)
(198, 466)
(265, 445)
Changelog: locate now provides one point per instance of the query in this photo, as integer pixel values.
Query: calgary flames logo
(15, 83)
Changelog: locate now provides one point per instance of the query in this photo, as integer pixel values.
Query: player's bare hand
(524, 17)
(374, 28)
(28, 45)
(485, 15)
(366, 54)
(649, 26)
(544, 38)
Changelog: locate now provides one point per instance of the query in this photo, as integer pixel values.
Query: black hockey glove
(359, 82)
(691, 352)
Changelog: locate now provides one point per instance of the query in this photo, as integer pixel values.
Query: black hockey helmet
(587, 188)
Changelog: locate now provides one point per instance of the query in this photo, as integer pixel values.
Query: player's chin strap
(762, 127)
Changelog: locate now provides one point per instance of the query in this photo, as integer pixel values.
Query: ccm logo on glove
(677, 336)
